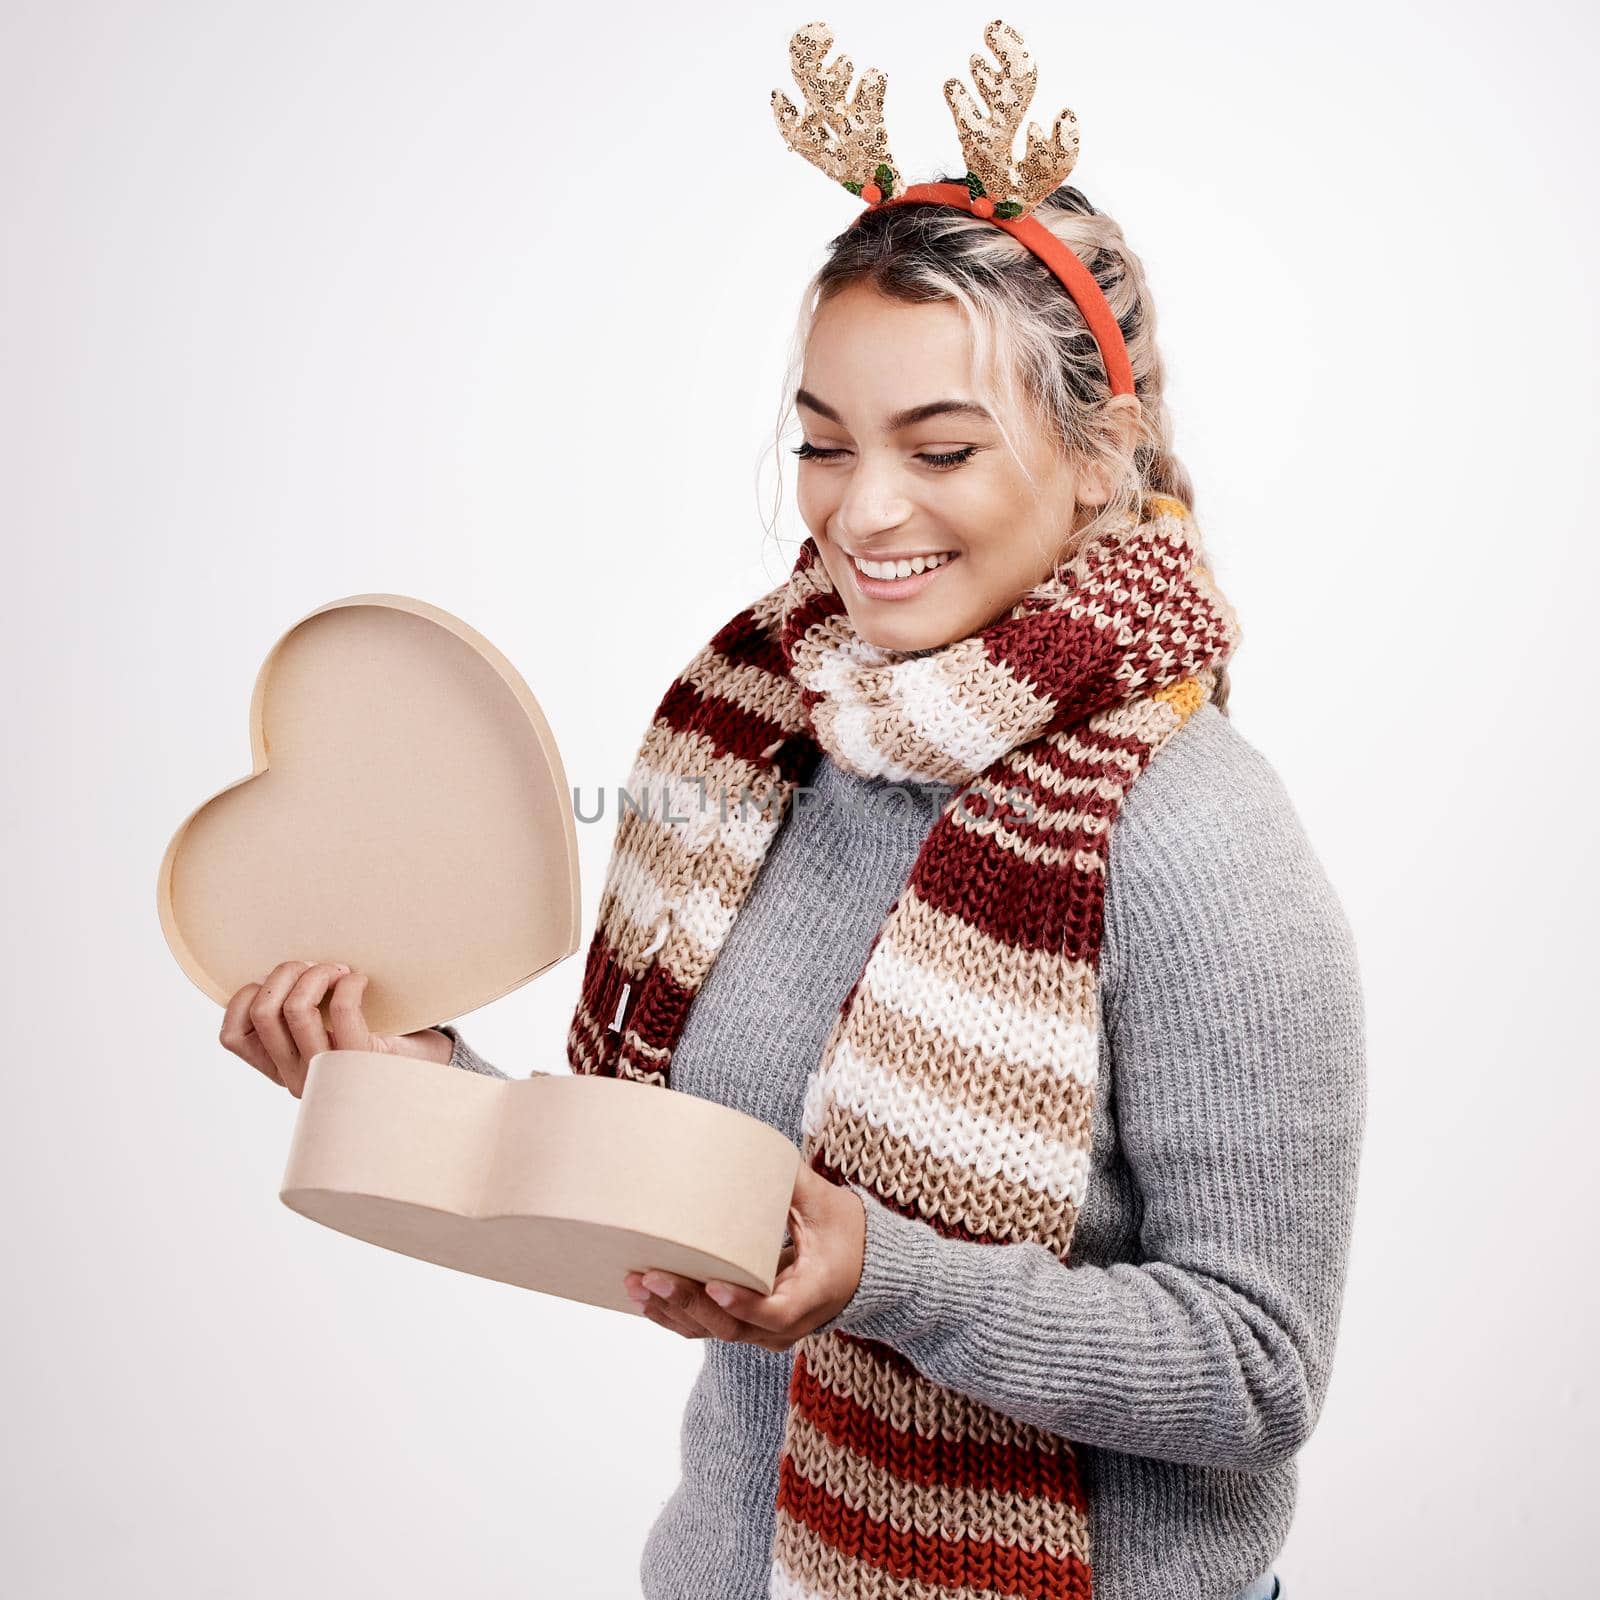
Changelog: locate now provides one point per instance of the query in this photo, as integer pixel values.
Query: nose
(873, 503)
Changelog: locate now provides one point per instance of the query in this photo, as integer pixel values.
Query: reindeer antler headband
(847, 140)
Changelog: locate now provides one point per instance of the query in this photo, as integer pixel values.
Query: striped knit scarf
(957, 1081)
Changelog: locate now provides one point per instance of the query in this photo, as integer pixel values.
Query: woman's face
(882, 480)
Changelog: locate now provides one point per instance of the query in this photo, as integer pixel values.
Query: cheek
(816, 499)
(967, 504)
(1002, 533)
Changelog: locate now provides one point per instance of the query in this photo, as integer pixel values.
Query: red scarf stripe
(1026, 808)
(656, 1007)
(1109, 755)
(1197, 612)
(849, 1364)
(745, 640)
(603, 978)
(663, 1003)
(752, 643)
(814, 609)
(983, 1566)
(585, 1037)
(990, 1466)
(1194, 620)
(1063, 783)
(640, 1068)
(1067, 666)
(1032, 905)
(731, 729)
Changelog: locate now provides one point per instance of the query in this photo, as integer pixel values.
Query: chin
(906, 635)
(892, 624)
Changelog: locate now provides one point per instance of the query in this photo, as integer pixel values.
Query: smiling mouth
(901, 567)
(901, 578)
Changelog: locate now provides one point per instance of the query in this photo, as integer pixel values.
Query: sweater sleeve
(1238, 1086)
(468, 1059)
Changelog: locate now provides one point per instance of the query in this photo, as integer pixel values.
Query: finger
(238, 1036)
(657, 1311)
(266, 1017)
(738, 1300)
(688, 1302)
(795, 1293)
(771, 1313)
(744, 1333)
(302, 1007)
(347, 1014)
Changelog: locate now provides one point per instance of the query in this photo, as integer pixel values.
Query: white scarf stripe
(636, 892)
(1023, 1035)
(700, 912)
(706, 917)
(851, 731)
(784, 1585)
(851, 735)
(986, 1145)
(927, 698)
(695, 822)
(833, 675)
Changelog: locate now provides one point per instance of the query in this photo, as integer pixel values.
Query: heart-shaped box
(409, 814)
(559, 1182)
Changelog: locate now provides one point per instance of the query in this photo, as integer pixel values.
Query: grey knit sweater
(1187, 1349)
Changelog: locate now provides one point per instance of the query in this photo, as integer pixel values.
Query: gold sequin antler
(987, 141)
(845, 138)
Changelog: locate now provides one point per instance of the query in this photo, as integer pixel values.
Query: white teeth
(901, 569)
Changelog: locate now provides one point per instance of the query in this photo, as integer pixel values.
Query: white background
(487, 303)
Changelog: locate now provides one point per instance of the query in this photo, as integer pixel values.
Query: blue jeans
(1266, 1587)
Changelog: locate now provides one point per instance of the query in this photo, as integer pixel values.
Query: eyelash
(941, 460)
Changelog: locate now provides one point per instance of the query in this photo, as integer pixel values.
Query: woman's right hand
(276, 1025)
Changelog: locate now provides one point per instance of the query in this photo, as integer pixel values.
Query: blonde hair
(1036, 362)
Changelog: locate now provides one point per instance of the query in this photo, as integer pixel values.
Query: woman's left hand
(817, 1276)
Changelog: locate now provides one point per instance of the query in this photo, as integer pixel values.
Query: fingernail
(718, 1293)
(657, 1284)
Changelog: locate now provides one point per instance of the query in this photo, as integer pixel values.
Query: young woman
(1170, 1078)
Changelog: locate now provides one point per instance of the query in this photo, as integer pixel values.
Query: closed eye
(940, 460)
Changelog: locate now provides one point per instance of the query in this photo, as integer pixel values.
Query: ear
(1119, 428)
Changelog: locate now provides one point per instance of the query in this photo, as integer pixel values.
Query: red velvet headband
(846, 139)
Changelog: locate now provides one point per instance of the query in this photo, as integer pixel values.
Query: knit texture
(1188, 1351)
(957, 1083)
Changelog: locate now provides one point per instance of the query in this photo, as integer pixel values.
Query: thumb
(811, 1192)
(347, 1022)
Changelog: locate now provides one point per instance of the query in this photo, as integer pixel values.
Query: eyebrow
(901, 419)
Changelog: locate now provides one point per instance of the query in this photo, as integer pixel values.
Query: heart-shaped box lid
(408, 814)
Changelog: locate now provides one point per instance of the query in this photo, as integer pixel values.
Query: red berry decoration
(871, 193)
(982, 206)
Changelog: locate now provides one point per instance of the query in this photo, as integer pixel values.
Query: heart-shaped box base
(560, 1183)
